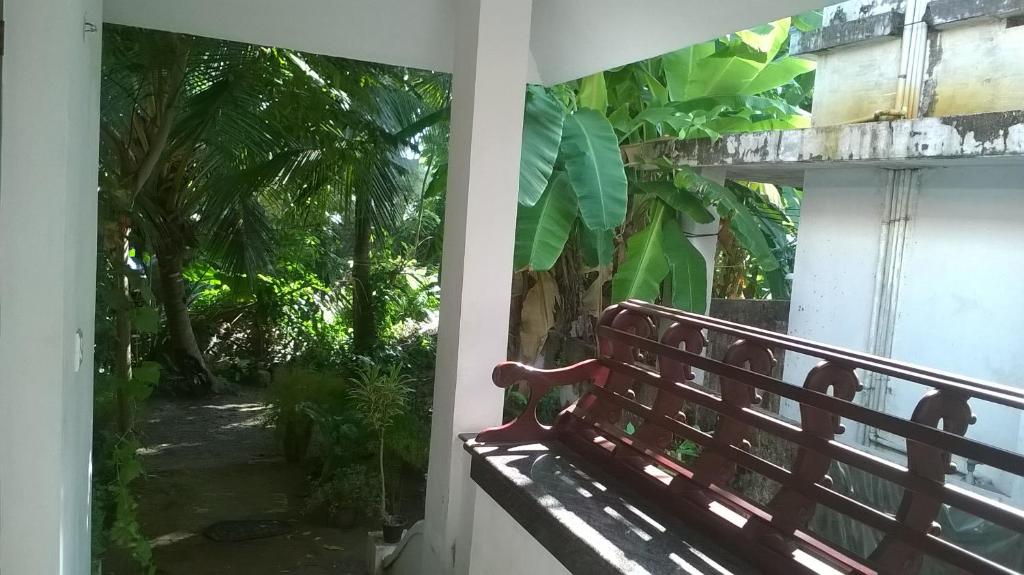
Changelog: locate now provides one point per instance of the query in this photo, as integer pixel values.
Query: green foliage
(645, 266)
(681, 200)
(594, 164)
(688, 268)
(738, 83)
(730, 209)
(380, 396)
(593, 93)
(347, 475)
(547, 410)
(543, 229)
(685, 451)
(294, 391)
(542, 133)
(350, 487)
(126, 531)
(597, 246)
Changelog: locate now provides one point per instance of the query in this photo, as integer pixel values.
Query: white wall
(836, 262)
(501, 546)
(488, 95)
(960, 305)
(49, 144)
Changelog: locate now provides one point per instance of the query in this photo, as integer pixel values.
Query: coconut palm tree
(201, 137)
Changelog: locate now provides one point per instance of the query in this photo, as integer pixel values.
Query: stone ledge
(588, 520)
(875, 27)
(943, 14)
(782, 156)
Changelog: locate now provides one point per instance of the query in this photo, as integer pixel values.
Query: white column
(48, 164)
(491, 56)
(705, 236)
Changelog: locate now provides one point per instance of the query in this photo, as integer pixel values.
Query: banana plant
(573, 177)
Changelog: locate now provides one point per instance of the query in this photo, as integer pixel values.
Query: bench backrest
(644, 386)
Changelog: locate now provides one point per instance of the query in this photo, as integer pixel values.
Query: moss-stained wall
(854, 82)
(977, 67)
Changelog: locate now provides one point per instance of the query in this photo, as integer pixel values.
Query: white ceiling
(571, 38)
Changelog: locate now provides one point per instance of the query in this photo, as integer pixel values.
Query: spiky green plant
(381, 396)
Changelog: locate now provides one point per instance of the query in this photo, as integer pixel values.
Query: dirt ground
(213, 460)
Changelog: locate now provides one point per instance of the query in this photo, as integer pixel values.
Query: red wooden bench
(633, 413)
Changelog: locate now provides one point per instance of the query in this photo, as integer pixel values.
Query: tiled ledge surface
(589, 521)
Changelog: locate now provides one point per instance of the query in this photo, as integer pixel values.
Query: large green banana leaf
(543, 228)
(688, 267)
(679, 199)
(594, 93)
(729, 207)
(645, 266)
(679, 66)
(744, 65)
(776, 74)
(598, 247)
(593, 161)
(542, 135)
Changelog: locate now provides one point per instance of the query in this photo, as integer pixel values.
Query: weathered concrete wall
(854, 9)
(975, 68)
(854, 82)
(958, 57)
(961, 269)
(995, 138)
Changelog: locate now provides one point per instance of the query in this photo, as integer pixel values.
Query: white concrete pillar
(48, 165)
(705, 236)
(491, 57)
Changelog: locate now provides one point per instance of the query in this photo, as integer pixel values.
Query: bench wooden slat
(632, 358)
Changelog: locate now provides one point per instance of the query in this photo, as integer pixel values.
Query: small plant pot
(393, 529)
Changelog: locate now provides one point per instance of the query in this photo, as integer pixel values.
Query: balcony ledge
(590, 522)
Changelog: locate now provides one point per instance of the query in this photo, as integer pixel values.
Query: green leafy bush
(293, 396)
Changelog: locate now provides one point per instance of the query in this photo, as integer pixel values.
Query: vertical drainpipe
(901, 189)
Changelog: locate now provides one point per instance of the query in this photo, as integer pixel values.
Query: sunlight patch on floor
(238, 407)
(158, 449)
(171, 538)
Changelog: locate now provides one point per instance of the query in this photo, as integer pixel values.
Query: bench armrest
(526, 427)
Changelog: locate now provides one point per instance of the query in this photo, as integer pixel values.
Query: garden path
(212, 460)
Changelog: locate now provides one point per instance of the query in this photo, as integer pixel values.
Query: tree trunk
(185, 352)
(117, 248)
(364, 328)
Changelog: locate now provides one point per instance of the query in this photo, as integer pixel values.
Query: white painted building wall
(49, 148)
(959, 307)
(501, 546)
(840, 221)
(936, 284)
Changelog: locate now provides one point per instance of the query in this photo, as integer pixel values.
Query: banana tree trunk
(185, 352)
(364, 329)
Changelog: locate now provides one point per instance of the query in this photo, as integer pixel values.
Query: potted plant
(381, 396)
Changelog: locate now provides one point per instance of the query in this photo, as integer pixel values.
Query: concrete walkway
(213, 460)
